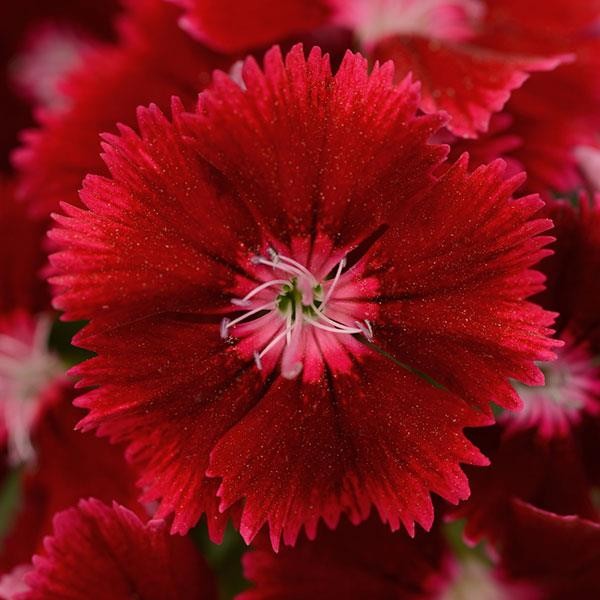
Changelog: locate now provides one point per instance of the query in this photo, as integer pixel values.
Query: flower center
(374, 20)
(292, 310)
(26, 369)
(572, 386)
(474, 579)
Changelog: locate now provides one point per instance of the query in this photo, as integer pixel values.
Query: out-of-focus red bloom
(368, 561)
(49, 53)
(304, 269)
(572, 387)
(352, 562)
(554, 113)
(231, 27)
(68, 466)
(21, 255)
(560, 555)
(19, 21)
(540, 453)
(436, 40)
(588, 158)
(110, 554)
(543, 556)
(29, 377)
(106, 90)
(550, 474)
(30, 373)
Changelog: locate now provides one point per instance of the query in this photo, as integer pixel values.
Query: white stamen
(348, 330)
(327, 319)
(296, 264)
(250, 313)
(334, 283)
(365, 329)
(298, 294)
(274, 341)
(261, 260)
(263, 286)
(224, 326)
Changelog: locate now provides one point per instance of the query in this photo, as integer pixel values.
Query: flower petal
(111, 554)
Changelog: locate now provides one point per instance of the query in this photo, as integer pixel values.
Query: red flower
(436, 40)
(553, 113)
(543, 556)
(560, 555)
(68, 466)
(106, 90)
(21, 255)
(50, 51)
(572, 387)
(260, 273)
(111, 554)
(19, 20)
(30, 379)
(540, 453)
(550, 474)
(232, 26)
(352, 562)
(31, 375)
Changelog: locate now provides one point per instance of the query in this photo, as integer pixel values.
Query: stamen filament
(335, 281)
(294, 307)
(303, 269)
(348, 330)
(274, 341)
(226, 323)
(263, 286)
(261, 260)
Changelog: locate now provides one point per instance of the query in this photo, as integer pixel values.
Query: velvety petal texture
(255, 272)
(109, 554)
(542, 454)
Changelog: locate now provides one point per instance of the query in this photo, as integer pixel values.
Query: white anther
(240, 302)
(335, 281)
(224, 327)
(365, 329)
(348, 330)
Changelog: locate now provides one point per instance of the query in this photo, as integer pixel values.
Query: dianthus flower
(110, 554)
(105, 90)
(289, 309)
(543, 556)
(540, 454)
(437, 40)
(68, 466)
(20, 24)
(555, 113)
(31, 375)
